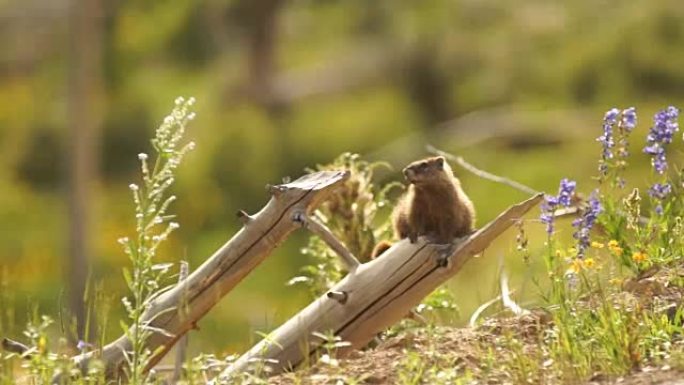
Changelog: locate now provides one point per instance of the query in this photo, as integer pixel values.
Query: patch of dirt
(452, 348)
(481, 354)
(460, 349)
(648, 376)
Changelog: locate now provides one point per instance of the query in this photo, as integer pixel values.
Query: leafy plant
(146, 279)
(596, 329)
(352, 216)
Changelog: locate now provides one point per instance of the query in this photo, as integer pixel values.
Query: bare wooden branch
(219, 274)
(14, 347)
(318, 228)
(481, 173)
(379, 293)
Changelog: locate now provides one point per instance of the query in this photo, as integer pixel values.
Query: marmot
(434, 205)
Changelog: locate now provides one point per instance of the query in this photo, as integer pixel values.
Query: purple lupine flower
(546, 216)
(551, 202)
(629, 119)
(82, 345)
(658, 160)
(584, 224)
(628, 122)
(660, 190)
(664, 126)
(607, 139)
(548, 207)
(565, 191)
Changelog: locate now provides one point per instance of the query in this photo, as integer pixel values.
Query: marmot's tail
(380, 248)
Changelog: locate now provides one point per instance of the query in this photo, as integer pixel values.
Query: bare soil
(484, 353)
(460, 349)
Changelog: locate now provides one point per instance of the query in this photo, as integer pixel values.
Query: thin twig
(318, 228)
(473, 318)
(481, 173)
(573, 210)
(506, 297)
(182, 345)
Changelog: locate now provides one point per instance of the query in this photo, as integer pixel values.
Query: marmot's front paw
(442, 260)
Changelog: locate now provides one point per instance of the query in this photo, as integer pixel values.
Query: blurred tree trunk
(262, 28)
(84, 119)
(428, 86)
(260, 22)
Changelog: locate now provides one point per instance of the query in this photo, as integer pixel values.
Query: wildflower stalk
(607, 140)
(350, 214)
(153, 226)
(660, 135)
(617, 126)
(585, 222)
(566, 190)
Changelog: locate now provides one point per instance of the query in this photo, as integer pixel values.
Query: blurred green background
(516, 87)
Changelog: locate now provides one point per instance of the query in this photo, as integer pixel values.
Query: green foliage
(351, 215)
(146, 279)
(43, 362)
(440, 302)
(597, 326)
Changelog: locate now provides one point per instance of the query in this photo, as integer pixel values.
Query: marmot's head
(426, 170)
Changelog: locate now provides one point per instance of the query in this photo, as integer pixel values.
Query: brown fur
(434, 205)
(380, 248)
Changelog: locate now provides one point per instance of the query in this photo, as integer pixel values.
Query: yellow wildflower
(575, 265)
(639, 256)
(589, 263)
(42, 344)
(614, 247)
(597, 245)
(615, 281)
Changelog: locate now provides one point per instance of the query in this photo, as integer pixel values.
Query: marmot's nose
(408, 174)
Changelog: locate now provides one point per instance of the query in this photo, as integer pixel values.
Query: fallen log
(369, 299)
(177, 310)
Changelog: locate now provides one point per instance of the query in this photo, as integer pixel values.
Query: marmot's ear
(440, 161)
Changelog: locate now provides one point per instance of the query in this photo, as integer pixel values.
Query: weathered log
(177, 310)
(371, 298)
